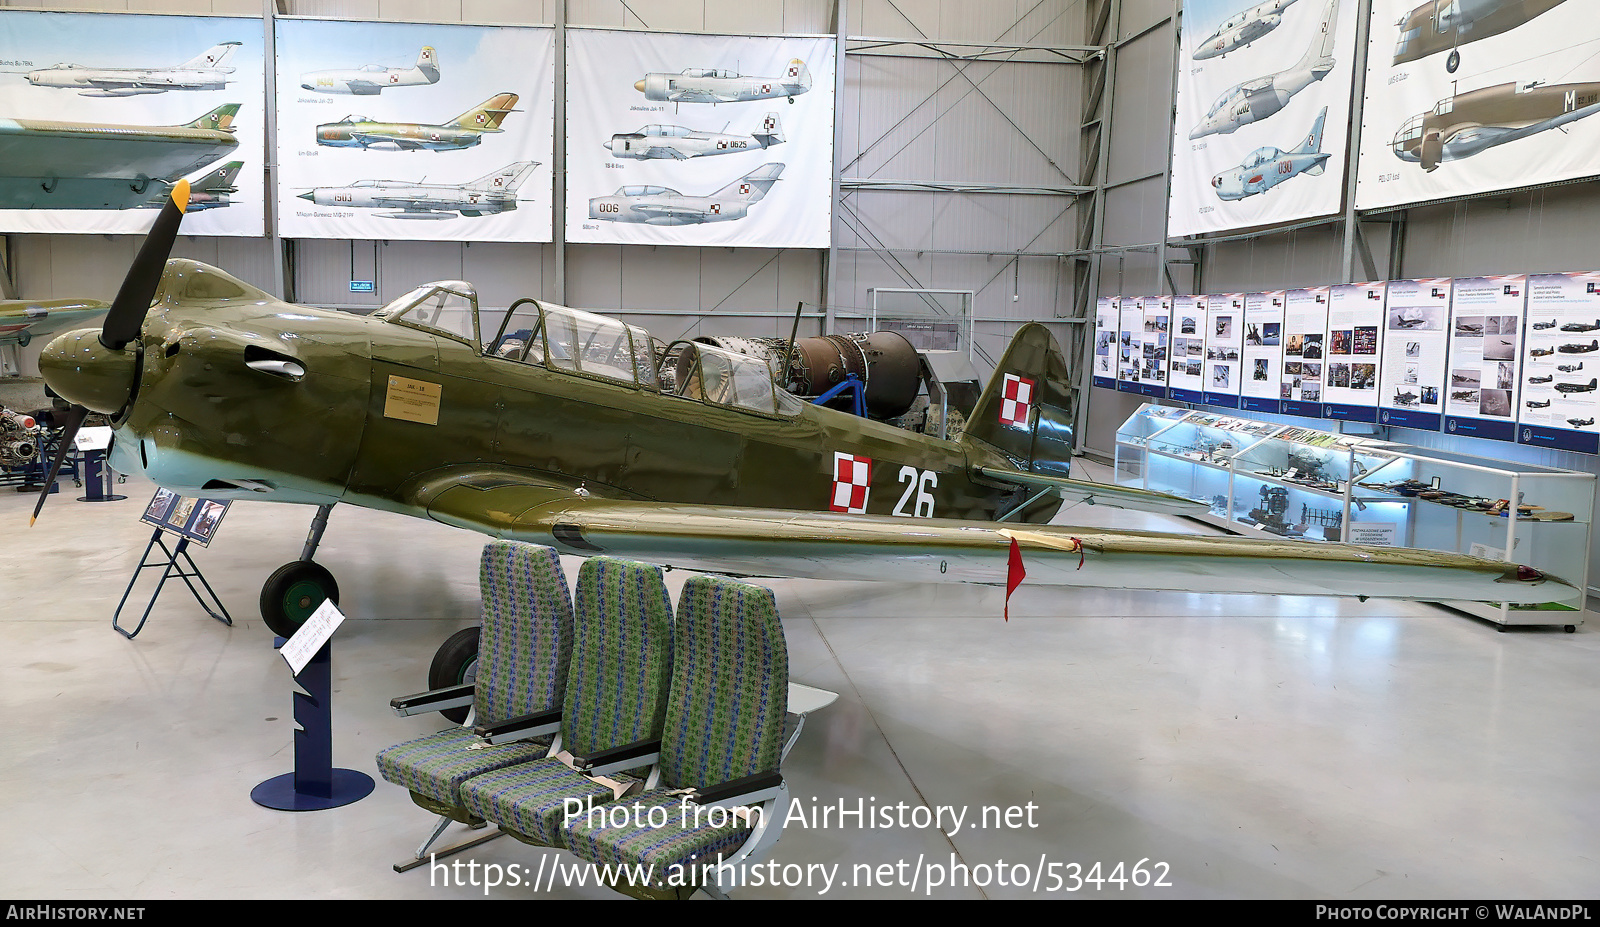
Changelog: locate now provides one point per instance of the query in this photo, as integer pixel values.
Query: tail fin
(506, 179)
(488, 114)
(214, 57)
(796, 77)
(771, 131)
(219, 119)
(752, 186)
(1025, 412)
(221, 179)
(428, 64)
(1319, 54)
(1313, 142)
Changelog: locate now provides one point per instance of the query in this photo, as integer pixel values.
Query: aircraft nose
(639, 85)
(308, 195)
(82, 370)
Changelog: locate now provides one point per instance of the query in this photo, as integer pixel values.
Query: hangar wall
(908, 114)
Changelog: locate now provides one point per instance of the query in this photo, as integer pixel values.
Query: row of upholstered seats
(609, 699)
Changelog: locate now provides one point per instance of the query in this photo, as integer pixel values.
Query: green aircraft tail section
(1026, 410)
(487, 115)
(220, 119)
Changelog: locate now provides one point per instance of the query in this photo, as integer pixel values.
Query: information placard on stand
(190, 521)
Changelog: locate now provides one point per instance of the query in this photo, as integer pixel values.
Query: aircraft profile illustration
(1410, 318)
(1580, 422)
(489, 195)
(1468, 328)
(1544, 379)
(1261, 97)
(653, 205)
(22, 320)
(708, 85)
(1540, 326)
(1570, 368)
(46, 164)
(464, 131)
(208, 192)
(205, 71)
(1405, 398)
(1535, 404)
(1468, 123)
(1268, 167)
(1241, 29)
(679, 143)
(567, 428)
(1438, 25)
(1541, 352)
(1579, 348)
(373, 79)
(1578, 387)
(1581, 326)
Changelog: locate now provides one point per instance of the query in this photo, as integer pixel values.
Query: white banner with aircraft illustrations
(699, 139)
(415, 131)
(1262, 113)
(1478, 95)
(105, 112)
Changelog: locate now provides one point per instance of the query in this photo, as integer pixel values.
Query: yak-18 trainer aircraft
(680, 143)
(567, 428)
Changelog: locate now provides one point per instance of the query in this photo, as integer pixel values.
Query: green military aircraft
(559, 426)
(22, 320)
(464, 131)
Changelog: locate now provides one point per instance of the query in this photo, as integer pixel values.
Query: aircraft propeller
(121, 326)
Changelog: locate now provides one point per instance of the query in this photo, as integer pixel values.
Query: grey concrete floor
(1239, 746)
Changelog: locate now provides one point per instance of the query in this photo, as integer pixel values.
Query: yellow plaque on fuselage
(413, 401)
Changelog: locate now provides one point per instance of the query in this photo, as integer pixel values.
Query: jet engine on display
(19, 439)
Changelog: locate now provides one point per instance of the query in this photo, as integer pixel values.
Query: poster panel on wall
(1411, 377)
(1261, 389)
(1305, 330)
(1262, 114)
(1105, 342)
(1356, 322)
(699, 139)
(1559, 403)
(1186, 381)
(105, 112)
(1470, 97)
(1485, 353)
(1130, 338)
(1224, 347)
(414, 131)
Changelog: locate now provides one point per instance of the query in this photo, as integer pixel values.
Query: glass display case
(1303, 484)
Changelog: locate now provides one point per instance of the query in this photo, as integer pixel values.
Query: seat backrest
(621, 656)
(730, 685)
(527, 631)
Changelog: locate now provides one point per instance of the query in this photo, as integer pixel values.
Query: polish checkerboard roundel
(852, 481)
(794, 70)
(769, 122)
(1015, 400)
(744, 188)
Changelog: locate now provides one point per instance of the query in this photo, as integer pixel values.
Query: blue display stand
(315, 785)
(95, 476)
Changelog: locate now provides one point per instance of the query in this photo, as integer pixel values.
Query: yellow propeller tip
(180, 196)
(32, 520)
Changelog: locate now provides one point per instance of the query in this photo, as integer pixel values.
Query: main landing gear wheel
(454, 664)
(1453, 62)
(293, 592)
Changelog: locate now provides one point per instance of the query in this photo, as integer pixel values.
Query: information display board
(1559, 402)
(1106, 341)
(1261, 389)
(1305, 330)
(1187, 379)
(1356, 322)
(1130, 338)
(1415, 344)
(1485, 353)
(1224, 346)
(195, 519)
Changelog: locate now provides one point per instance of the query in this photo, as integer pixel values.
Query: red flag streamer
(1014, 575)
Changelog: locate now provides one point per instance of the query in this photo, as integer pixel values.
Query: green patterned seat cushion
(530, 798)
(674, 852)
(436, 765)
(730, 685)
(526, 639)
(621, 656)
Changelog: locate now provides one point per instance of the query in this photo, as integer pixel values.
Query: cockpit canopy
(713, 375)
(646, 191)
(1409, 131)
(374, 68)
(355, 118)
(666, 131)
(1262, 156)
(708, 72)
(1222, 101)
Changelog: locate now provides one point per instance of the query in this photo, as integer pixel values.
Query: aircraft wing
(663, 209)
(663, 151)
(778, 543)
(363, 87)
(407, 144)
(1121, 497)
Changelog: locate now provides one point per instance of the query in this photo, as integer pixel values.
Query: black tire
(455, 663)
(1453, 63)
(293, 592)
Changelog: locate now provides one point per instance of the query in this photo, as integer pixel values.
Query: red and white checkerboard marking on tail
(1015, 400)
(852, 480)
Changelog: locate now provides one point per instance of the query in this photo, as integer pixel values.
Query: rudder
(1025, 412)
